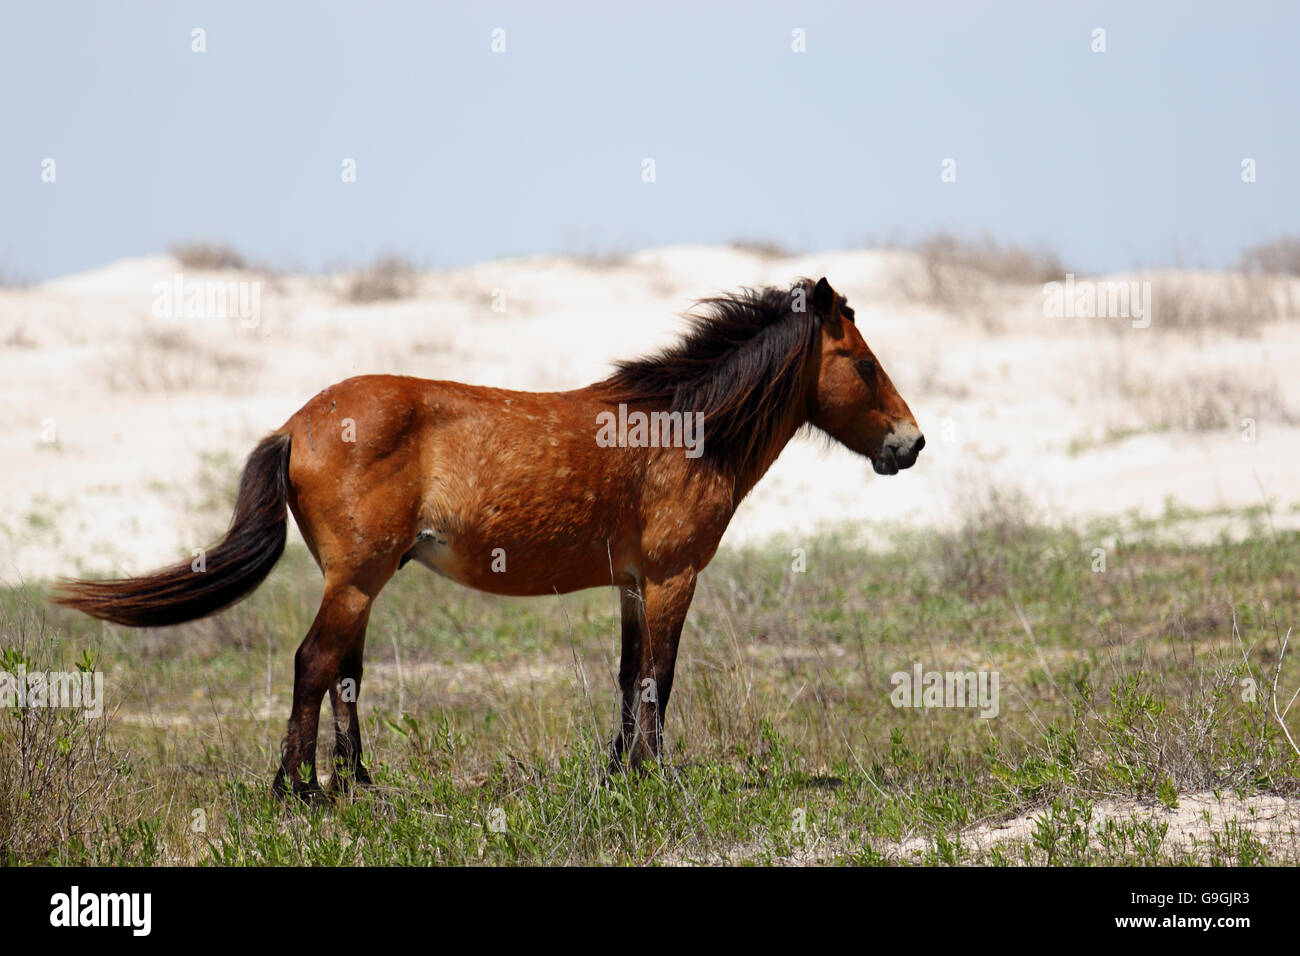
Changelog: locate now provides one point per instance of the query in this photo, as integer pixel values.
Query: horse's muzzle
(899, 451)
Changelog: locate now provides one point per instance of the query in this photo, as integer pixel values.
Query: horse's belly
(527, 518)
(520, 566)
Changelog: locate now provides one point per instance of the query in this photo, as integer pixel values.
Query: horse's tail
(231, 569)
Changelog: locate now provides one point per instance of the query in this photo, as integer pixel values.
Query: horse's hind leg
(340, 624)
(348, 768)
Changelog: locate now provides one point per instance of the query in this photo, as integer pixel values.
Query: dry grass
(58, 772)
(983, 280)
(1187, 399)
(209, 256)
(955, 269)
(390, 278)
(994, 526)
(1276, 257)
(1231, 305)
(603, 259)
(978, 279)
(766, 249)
(1002, 262)
(18, 337)
(169, 360)
(10, 279)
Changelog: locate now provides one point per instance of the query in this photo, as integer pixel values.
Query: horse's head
(855, 402)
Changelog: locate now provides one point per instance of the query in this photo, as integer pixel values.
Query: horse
(532, 493)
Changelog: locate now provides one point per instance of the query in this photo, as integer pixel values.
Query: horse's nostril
(899, 451)
(906, 451)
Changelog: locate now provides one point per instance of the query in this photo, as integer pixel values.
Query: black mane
(741, 363)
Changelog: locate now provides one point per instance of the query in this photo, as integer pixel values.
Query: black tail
(233, 567)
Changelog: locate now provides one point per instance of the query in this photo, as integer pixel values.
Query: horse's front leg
(652, 628)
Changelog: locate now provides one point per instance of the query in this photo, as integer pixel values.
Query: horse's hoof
(308, 794)
(344, 780)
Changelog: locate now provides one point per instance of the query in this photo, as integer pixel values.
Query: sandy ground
(121, 421)
(1199, 824)
(1191, 827)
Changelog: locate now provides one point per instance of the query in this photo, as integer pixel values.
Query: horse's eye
(866, 366)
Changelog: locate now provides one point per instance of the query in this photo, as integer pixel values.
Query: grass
(485, 720)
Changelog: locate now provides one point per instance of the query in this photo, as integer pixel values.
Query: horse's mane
(741, 363)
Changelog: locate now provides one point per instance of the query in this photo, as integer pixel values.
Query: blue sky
(1125, 158)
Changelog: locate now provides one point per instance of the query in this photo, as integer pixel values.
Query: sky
(1119, 159)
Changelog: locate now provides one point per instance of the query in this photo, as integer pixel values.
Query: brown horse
(629, 481)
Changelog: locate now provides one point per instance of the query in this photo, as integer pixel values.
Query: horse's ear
(823, 298)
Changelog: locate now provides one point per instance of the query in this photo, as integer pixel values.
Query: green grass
(486, 720)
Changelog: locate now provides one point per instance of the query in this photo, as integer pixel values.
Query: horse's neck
(749, 476)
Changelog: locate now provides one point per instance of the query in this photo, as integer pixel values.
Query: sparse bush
(18, 337)
(997, 540)
(1183, 399)
(766, 249)
(171, 361)
(10, 279)
(1002, 262)
(57, 770)
(612, 258)
(390, 278)
(1276, 257)
(1199, 402)
(1231, 304)
(967, 276)
(212, 256)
